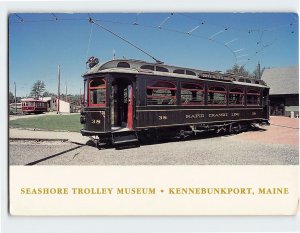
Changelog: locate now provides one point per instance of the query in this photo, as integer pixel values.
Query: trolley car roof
(33, 100)
(142, 67)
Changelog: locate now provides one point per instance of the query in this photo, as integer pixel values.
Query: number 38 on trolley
(129, 100)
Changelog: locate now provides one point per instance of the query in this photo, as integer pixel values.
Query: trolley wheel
(182, 135)
(236, 128)
(97, 144)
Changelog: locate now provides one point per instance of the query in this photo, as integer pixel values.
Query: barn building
(284, 90)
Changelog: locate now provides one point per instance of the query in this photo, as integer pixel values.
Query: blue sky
(216, 42)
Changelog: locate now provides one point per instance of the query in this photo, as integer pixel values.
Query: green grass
(52, 122)
(13, 111)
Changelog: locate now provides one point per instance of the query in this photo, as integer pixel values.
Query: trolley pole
(16, 97)
(58, 91)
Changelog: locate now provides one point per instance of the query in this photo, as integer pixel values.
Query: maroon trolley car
(34, 106)
(126, 100)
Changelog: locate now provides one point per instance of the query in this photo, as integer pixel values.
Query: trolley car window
(192, 94)
(216, 95)
(147, 67)
(236, 96)
(97, 90)
(123, 64)
(189, 72)
(161, 69)
(178, 71)
(161, 93)
(253, 97)
(85, 94)
(40, 104)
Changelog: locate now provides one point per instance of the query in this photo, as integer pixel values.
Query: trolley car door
(121, 104)
(130, 108)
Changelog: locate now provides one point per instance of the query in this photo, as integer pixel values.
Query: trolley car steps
(124, 138)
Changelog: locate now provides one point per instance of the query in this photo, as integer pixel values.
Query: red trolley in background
(34, 106)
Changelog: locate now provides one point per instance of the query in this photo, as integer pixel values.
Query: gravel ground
(15, 133)
(283, 130)
(277, 144)
(225, 150)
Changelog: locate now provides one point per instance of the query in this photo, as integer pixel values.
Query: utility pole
(66, 92)
(114, 54)
(80, 97)
(16, 97)
(58, 91)
(258, 70)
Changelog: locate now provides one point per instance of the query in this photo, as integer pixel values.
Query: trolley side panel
(172, 117)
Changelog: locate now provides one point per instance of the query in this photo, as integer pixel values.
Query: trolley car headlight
(82, 119)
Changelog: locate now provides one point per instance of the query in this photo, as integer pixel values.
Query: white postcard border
(127, 224)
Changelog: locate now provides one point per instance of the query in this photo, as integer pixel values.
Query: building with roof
(64, 106)
(284, 90)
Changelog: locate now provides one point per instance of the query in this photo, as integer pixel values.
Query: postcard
(172, 113)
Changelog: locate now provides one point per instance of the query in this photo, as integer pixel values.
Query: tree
(240, 70)
(48, 94)
(37, 89)
(75, 99)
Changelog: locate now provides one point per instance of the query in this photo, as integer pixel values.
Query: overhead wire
(148, 26)
(239, 50)
(127, 41)
(136, 19)
(55, 17)
(261, 45)
(215, 34)
(229, 42)
(89, 42)
(194, 29)
(19, 17)
(197, 36)
(250, 31)
(200, 21)
(258, 51)
(170, 30)
(164, 21)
